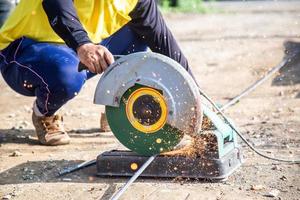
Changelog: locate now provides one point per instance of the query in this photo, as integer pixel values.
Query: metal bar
(77, 167)
(255, 84)
(133, 178)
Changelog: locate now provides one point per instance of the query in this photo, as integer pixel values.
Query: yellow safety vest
(100, 18)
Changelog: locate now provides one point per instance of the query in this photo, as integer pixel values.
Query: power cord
(240, 134)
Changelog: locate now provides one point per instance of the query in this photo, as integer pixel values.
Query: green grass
(185, 6)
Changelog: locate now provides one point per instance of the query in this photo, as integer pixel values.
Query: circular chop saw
(151, 101)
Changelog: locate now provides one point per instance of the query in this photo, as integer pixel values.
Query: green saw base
(139, 142)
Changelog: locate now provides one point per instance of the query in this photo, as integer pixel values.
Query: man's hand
(96, 57)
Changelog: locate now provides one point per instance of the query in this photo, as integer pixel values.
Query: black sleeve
(148, 23)
(64, 21)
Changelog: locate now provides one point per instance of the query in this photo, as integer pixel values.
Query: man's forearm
(64, 21)
(149, 24)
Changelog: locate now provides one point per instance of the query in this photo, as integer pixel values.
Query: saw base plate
(126, 163)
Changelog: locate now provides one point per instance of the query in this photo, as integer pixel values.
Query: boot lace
(53, 124)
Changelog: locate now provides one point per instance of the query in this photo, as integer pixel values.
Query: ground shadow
(28, 136)
(290, 73)
(18, 136)
(112, 188)
(48, 172)
(92, 132)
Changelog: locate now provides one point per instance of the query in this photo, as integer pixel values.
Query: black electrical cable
(241, 136)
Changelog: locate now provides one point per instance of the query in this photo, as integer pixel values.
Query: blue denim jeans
(49, 71)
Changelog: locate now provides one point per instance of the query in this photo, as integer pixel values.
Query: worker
(43, 41)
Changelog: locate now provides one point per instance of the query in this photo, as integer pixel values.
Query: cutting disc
(140, 122)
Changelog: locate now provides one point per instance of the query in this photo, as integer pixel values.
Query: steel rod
(255, 84)
(77, 167)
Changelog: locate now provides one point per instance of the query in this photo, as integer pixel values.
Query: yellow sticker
(134, 166)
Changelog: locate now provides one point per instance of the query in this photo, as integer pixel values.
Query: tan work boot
(50, 130)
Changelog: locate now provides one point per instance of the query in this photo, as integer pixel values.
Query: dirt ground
(228, 51)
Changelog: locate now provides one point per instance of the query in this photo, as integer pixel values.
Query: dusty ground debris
(15, 154)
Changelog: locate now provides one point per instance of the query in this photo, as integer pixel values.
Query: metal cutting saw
(151, 104)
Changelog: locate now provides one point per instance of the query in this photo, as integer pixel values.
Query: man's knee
(63, 86)
(67, 83)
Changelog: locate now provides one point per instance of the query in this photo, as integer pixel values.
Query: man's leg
(49, 72)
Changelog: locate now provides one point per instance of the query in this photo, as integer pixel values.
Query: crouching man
(43, 41)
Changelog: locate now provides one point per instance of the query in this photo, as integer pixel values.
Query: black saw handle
(81, 66)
